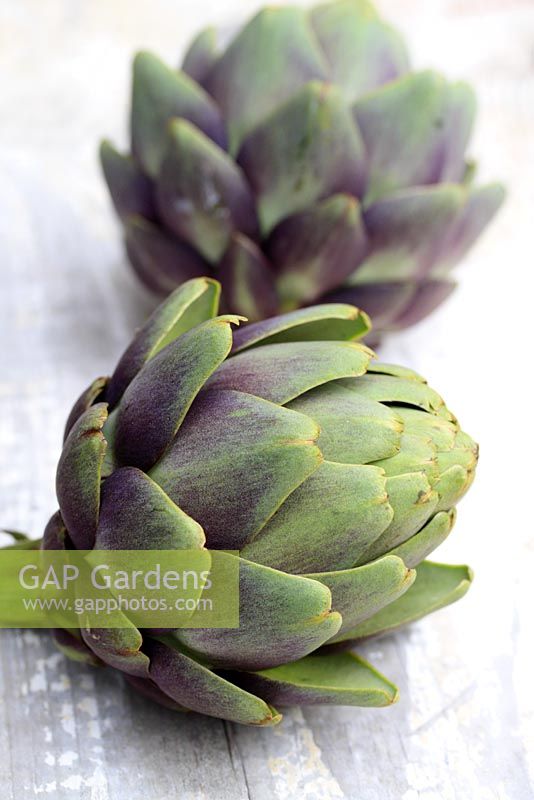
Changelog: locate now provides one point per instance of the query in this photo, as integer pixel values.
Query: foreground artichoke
(332, 474)
(303, 163)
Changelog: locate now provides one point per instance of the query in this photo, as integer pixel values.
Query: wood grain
(464, 727)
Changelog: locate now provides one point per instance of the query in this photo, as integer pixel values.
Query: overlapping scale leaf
(282, 372)
(362, 51)
(361, 592)
(407, 231)
(135, 514)
(88, 397)
(304, 151)
(78, 476)
(248, 279)
(194, 302)
(419, 546)
(354, 429)
(131, 190)
(282, 618)
(327, 322)
(273, 56)
(202, 195)
(327, 523)
(481, 206)
(160, 259)
(333, 679)
(316, 250)
(384, 302)
(235, 460)
(157, 400)
(435, 586)
(197, 688)
(118, 647)
(201, 55)
(391, 389)
(408, 135)
(160, 94)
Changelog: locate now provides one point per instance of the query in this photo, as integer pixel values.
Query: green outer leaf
(282, 372)
(415, 131)
(159, 94)
(361, 592)
(202, 194)
(201, 55)
(157, 400)
(327, 523)
(282, 618)
(390, 389)
(194, 686)
(192, 303)
(427, 539)
(382, 368)
(78, 476)
(327, 322)
(135, 514)
(413, 502)
(263, 452)
(118, 647)
(354, 430)
(274, 55)
(333, 678)
(363, 52)
(307, 149)
(435, 586)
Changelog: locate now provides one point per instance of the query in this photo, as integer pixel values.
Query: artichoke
(331, 474)
(304, 163)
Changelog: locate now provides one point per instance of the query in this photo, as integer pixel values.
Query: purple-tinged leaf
(317, 249)
(78, 476)
(89, 397)
(281, 618)
(247, 279)
(192, 303)
(201, 55)
(362, 51)
(159, 95)
(327, 322)
(234, 461)
(135, 514)
(202, 194)
(130, 189)
(271, 58)
(162, 261)
(281, 372)
(157, 400)
(306, 150)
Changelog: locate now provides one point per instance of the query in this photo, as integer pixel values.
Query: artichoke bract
(332, 475)
(304, 163)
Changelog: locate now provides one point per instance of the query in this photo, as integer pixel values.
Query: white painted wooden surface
(465, 725)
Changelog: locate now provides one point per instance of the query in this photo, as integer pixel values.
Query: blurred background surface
(68, 304)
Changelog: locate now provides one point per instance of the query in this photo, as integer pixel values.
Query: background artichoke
(332, 474)
(303, 163)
